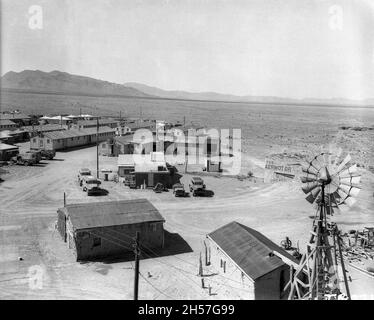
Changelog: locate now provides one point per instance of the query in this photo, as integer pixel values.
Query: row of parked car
(32, 157)
(197, 189)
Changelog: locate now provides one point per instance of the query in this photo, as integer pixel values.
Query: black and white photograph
(187, 150)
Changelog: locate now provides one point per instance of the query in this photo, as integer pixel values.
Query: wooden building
(106, 229)
(247, 257)
(7, 151)
(19, 118)
(87, 124)
(59, 140)
(6, 124)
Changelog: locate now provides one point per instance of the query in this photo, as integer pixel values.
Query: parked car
(26, 159)
(84, 172)
(91, 185)
(178, 190)
(196, 184)
(203, 193)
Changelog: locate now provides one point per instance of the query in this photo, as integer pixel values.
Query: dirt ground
(30, 197)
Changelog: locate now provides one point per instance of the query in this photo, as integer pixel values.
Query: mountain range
(66, 83)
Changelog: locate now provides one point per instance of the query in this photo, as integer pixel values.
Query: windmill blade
(349, 190)
(349, 171)
(311, 198)
(309, 168)
(343, 163)
(308, 187)
(350, 201)
(351, 181)
(308, 178)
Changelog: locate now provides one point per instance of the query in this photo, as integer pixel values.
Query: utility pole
(137, 253)
(97, 147)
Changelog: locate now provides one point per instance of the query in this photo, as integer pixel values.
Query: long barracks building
(59, 140)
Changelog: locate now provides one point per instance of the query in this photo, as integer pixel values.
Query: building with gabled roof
(250, 260)
(102, 229)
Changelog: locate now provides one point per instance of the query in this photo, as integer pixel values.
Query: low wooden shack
(106, 229)
(247, 257)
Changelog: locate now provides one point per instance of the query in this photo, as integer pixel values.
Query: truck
(91, 185)
(178, 190)
(44, 154)
(196, 184)
(26, 159)
(83, 172)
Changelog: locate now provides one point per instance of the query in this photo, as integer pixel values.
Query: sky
(289, 48)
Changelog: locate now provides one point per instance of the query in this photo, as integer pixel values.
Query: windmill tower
(328, 184)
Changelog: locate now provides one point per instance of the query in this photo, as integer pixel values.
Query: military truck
(26, 159)
(45, 154)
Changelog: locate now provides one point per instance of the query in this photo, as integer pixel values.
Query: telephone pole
(97, 147)
(137, 253)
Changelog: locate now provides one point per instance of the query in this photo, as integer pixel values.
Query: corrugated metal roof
(6, 122)
(111, 213)
(94, 122)
(249, 249)
(4, 146)
(71, 133)
(44, 127)
(11, 116)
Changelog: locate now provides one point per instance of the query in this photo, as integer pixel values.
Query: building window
(48, 141)
(72, 139)
(96, 241)
(34, 140)
(104, 146)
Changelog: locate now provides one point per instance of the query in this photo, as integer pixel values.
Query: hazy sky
(288, 48)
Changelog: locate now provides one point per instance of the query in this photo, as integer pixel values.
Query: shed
(247, 256)
(7, 151)
(102, 229)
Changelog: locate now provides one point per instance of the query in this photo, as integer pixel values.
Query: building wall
(239, 285)
(271, 285)
(6, 155)
(8, 127)
(152, 178)
(99, 242)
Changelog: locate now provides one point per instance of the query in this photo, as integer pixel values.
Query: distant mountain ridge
(57, 82)
(63, 82)
(213, 96)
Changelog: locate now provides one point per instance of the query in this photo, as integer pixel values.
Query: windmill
(329, 184)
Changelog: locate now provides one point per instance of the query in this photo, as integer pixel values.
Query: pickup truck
(26, 159)
(178, 190)
(84, 172)
(91, 185)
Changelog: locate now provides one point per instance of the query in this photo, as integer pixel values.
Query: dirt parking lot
(36, 264)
